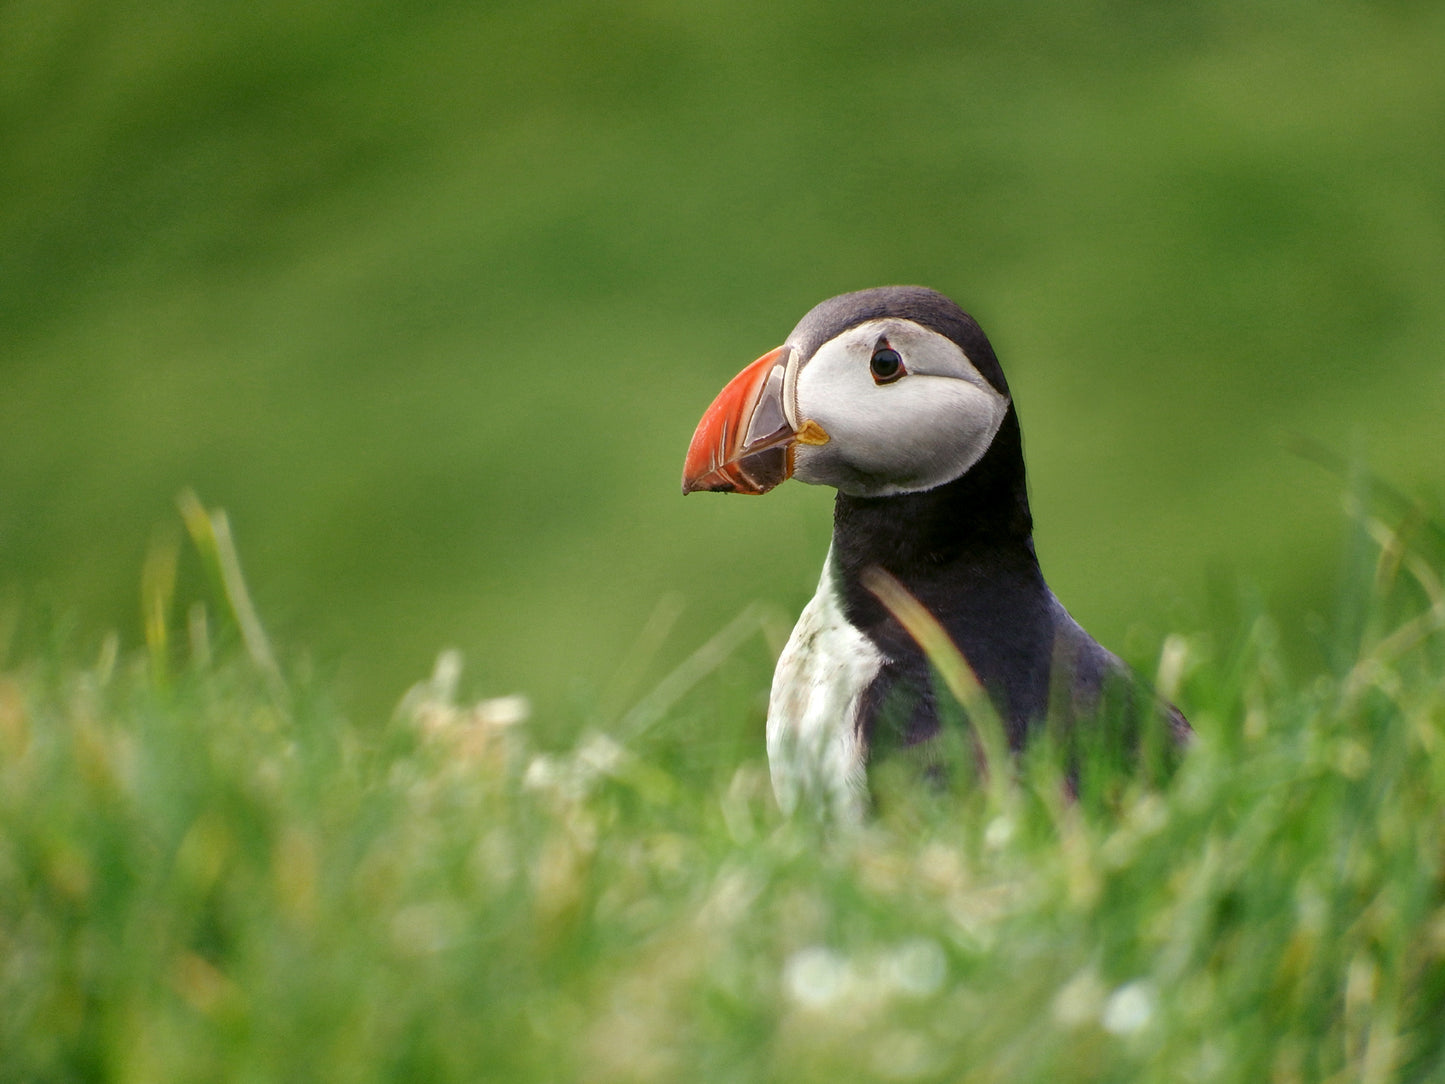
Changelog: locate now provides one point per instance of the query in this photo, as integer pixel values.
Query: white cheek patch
(921, 431)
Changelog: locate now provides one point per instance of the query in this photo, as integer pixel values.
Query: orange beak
(744, 443)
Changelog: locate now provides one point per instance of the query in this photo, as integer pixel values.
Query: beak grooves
(743, 444)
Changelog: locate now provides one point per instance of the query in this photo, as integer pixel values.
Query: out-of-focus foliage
(207, 873)
(430, 297)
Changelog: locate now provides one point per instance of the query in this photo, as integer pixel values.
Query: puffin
(894, 397)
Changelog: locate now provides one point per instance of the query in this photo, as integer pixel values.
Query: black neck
(965, 551)
(986, 510)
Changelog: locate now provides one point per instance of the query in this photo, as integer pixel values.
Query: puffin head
(877, 393)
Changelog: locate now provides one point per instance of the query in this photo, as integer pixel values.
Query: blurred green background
(430, 297)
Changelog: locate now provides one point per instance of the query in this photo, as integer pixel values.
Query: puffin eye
(886, 364)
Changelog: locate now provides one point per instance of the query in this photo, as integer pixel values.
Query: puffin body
(895, 398)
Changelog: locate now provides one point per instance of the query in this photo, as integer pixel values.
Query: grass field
(208, 873)
(430, 298)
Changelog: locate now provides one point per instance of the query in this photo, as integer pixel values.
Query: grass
(207, 872)
(431, 298)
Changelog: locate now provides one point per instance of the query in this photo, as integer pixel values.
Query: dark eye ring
(886, 364)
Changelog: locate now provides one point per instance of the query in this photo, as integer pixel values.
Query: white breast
(815, 753)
